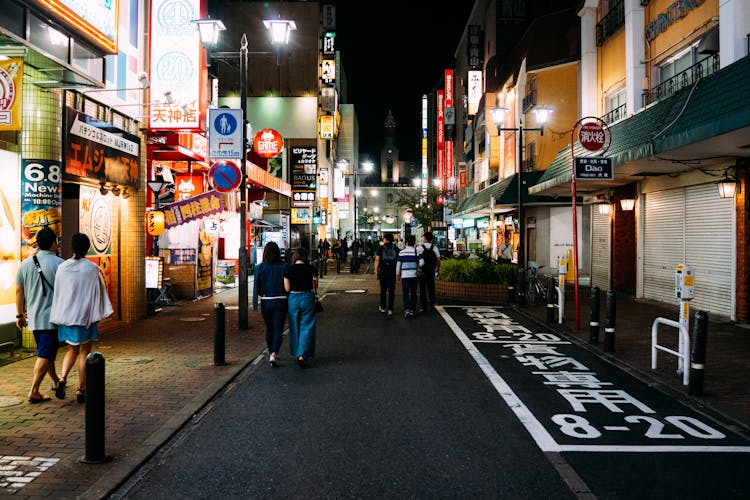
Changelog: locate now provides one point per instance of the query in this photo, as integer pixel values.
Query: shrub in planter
(478, 270)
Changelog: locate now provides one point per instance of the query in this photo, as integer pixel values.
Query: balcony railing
(699, 70)
(611, 23)
(616, 114)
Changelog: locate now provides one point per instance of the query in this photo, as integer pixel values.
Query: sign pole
(243, 292)
(593, 135)
(575, 226)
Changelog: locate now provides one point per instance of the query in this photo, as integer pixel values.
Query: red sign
(591, 136)
(225, 176)
(268, 143)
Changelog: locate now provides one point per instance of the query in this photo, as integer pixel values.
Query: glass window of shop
(47, 38)
(88, 61)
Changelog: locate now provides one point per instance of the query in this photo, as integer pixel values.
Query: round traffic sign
(591, 136)
(225, 176)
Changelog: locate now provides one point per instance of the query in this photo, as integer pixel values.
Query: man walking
(385, 270)
(406, 271)
(34, 290)
(429, 262)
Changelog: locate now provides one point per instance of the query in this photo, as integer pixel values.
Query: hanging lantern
(155, 222)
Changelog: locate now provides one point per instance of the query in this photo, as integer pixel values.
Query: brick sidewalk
(158, 371)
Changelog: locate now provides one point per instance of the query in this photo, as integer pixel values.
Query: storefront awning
(701, 126)
(505, 193)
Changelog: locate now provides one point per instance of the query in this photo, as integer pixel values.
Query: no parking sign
(225, 176)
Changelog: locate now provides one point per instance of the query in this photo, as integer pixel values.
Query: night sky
(391, 59)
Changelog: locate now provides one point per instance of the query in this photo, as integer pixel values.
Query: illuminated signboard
(97, 21)
(175, 64)
(475, 91)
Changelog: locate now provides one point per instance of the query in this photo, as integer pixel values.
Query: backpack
(388, 257)
(429, 258)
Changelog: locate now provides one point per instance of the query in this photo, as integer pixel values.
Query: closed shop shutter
(600, 249)
(690, 226)
(710, 249)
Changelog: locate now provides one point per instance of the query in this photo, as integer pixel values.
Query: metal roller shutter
(600, 249)
(690, 226)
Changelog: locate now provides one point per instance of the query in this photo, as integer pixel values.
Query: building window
(389, 168)
(614, 105)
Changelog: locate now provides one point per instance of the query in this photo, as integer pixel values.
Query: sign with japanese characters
(11, 87)
(224, 134)
(197, 207)
(594, 168)
(98, 151)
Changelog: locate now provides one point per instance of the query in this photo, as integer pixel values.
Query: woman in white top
(80, 302)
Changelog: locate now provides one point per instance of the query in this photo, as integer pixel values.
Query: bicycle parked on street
(537, 286)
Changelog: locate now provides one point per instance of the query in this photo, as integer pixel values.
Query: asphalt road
(468, 403)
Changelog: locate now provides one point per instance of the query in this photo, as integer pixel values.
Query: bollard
(511, 288)
(219, 335)
(594, 321)
(550, 299)
(94, 410)
(609, 325)
(695, 385)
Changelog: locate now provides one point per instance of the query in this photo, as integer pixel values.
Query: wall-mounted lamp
(604, 208)
(727, 186)
(116, 190)
(103, 188)
(627, 204)
(125, 193)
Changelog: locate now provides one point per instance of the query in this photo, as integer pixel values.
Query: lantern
(155, 222)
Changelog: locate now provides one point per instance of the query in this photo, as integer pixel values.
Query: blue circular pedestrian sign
(225, 124)
(225, 176)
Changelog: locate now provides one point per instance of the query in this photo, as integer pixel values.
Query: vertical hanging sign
(175, 56)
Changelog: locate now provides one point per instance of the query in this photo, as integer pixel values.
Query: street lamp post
(209, 30)
(498, 116)
(243, 292)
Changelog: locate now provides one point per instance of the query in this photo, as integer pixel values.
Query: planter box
(484, 293)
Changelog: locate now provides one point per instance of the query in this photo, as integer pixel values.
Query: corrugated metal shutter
(600, 249)
(710, 249)
(690, 226)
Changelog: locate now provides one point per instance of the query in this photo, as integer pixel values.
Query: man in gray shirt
(34, 289)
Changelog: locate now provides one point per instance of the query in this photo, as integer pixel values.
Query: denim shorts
(46, 344)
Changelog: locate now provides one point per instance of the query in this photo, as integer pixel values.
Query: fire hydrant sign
(224, 134)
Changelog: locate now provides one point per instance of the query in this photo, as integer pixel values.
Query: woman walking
(79, 303)
(301, 281)
(269, 286)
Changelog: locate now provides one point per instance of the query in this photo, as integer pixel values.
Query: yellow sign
(11, 79)
(155, 222)
(326, 127)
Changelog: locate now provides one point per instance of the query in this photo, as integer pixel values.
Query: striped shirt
(407, 263)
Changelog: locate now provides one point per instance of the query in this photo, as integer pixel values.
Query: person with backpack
(429, 263)
(406, 271)
(385, 271)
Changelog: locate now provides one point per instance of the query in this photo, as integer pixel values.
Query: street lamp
(211, 28)
(498, 116)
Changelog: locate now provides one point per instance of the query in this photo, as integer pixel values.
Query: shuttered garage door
(693, 226)
(600, 253)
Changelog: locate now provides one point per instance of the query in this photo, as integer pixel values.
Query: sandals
(60, 389)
